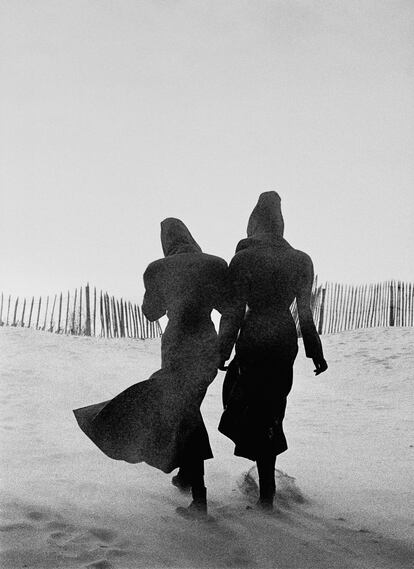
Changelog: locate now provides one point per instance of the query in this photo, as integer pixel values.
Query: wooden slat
(16, 304)
(46, 310)
(23, 311)
(8, 310)
(115, 318)
(30, 313)
(109, 318)
(59, 313)
(67, 312)
(94, 310)
(79, 331)
(101, 314)
(72, 329)
(321, 314)
(52, 314)
(38, 312)
(348, 307)
(335, 309)
(342, 314)
(381, 306)
(88, 326)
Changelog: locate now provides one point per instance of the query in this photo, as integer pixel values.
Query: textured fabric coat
(267, 274)
(158, 421)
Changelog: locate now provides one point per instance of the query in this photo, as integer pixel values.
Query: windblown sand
(345, 486)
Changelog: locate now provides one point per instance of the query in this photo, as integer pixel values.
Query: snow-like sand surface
(350, 432)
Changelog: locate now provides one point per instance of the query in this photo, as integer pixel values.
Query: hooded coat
(158, 421)
(267, 274)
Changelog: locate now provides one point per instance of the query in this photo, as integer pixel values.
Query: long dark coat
(158, 421)
(267, 275)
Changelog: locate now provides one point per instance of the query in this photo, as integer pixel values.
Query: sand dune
(345, 489)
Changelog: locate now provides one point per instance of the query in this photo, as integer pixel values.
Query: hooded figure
(267, 275)
(158, 421)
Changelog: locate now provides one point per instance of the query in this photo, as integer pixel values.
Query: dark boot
(267, 495)
(181, 481)
(197, 510)
(266, 504)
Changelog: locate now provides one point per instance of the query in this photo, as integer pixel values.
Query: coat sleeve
(235, 307)
(311, 340)
(153, 306)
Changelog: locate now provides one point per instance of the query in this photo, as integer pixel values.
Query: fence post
(321, 312)
(23, 311)
(115, 318)
(31, 310)
(108, 317)
(398, 311)
(60, 314)
(51, 316)
(392, 307)
(38, 312)
(72, 329)
(8, 310)
(14, 323)
(94, 310)
(67, 313)
(88, 312)
(159, 328)
(80, 312)
(101, 314)
(47, 307)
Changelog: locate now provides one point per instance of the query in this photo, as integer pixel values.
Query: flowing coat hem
(137, 426)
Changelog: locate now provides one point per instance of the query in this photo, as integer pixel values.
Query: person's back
(189, 286)
(186, 285)
(266, 275)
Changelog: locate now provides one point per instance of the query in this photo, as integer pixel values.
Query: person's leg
(278, 375)
(182, 480)
(267, 486)
(198, 490)
(198, 507)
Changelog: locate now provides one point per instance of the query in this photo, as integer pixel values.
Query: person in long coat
(158, 421)
(267, 274)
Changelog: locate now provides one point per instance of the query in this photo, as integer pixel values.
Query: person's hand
(320, 365)
(222, 365)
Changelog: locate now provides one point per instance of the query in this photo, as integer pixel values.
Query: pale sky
(118, 113)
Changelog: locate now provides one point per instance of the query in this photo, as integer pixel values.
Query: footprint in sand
(103, 534)
(86, 544)
(14, 526)
(287, 491)
(116, 552)
(65, 535)
(101, 564)
(37, 515)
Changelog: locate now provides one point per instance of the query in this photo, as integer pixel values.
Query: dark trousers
(268, 381)
(192, 465)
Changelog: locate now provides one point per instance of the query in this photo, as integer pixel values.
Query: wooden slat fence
(87, 312)
(338, 307)
(335, 307)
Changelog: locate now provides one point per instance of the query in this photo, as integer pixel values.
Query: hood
(266, 224)
(176, 238)
(266, 219)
